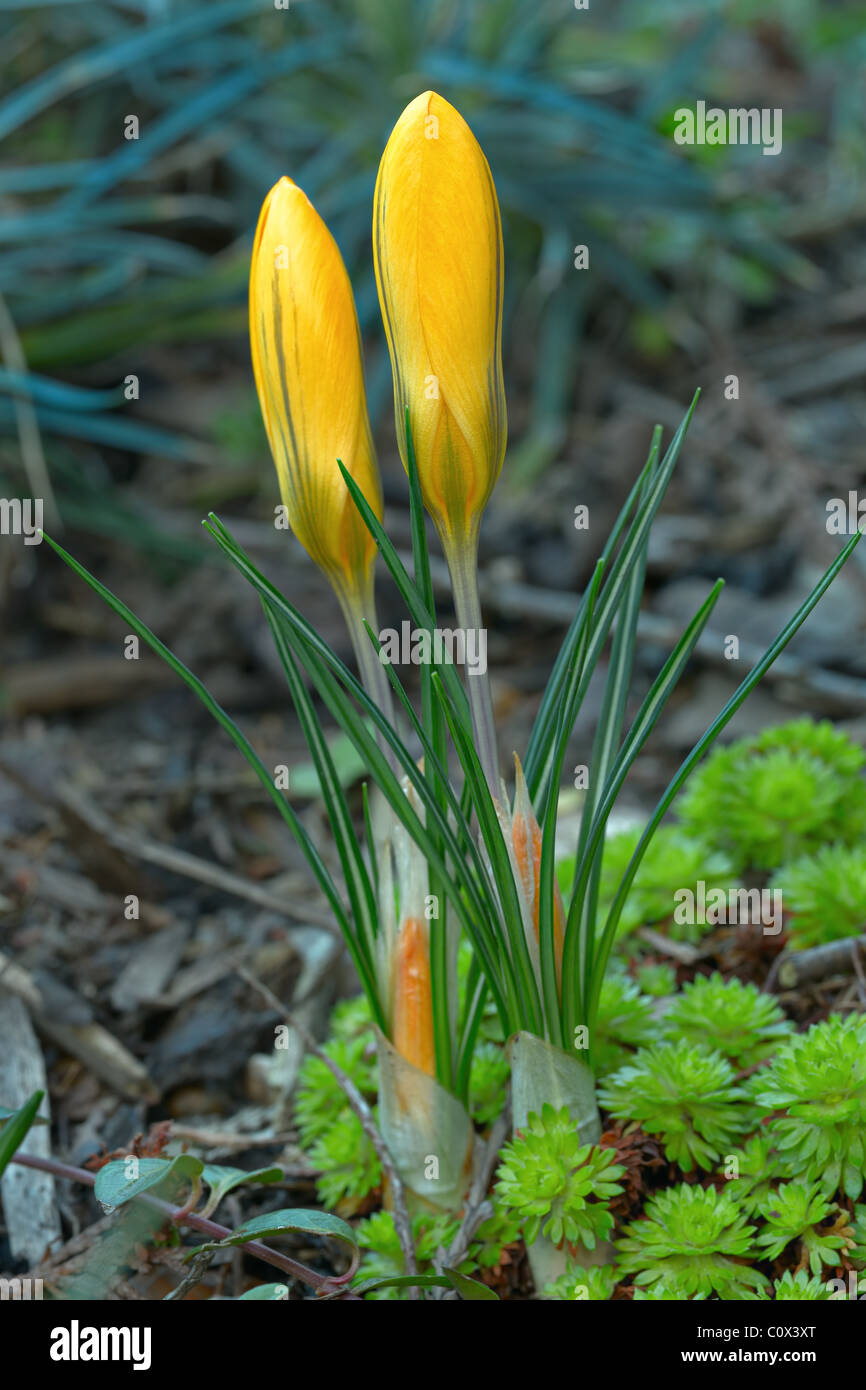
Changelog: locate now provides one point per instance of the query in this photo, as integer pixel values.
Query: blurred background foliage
(129, 256)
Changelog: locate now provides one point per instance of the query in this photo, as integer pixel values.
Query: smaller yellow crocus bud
(306, 351)
(437, 246)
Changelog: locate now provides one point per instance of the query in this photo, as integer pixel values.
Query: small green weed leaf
(265, 1293)
(126, 1178)
(468, 1288)
(286, 1222)
(222, 1180)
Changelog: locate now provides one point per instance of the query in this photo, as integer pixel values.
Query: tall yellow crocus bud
(437, 245)
(306, 351)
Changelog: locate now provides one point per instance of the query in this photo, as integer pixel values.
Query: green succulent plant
(656, 978)
(673, 860)
(736, 1019)
(593, 1285)
(689, 1241)
(499, 1230)
(320, 1101)
(384, 1258)
(783, 793)
(793, 1213)
(818, 1081)
(556, 1185)
(664, 1293)
(683, 1093)
(330, 1132)
(351, 1018)
(349, 1167)
(801, 1287)
(625, 1021)
(756, 1167)
(857, 1253)
(824, 895)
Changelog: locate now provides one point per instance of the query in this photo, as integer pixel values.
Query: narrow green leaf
(6, 1115)
(571, 983)
(467, 1288)
(15, 1127)
(239, 739)
(420, 614)
(545, 720)
(743, 690)
(643, 724)
(530, 1013)
(612, 595)
(358, 885)
(401, 1281)
(605, 745)
(335, 683)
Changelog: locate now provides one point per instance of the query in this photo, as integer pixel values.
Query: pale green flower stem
(358, 609)
(462, 558)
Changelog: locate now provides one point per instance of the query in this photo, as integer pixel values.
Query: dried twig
(478, 1205)
(197, 1267)
(797, 967)
(858, 971)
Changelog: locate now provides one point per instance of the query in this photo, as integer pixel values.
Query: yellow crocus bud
(306, 350)
(437, 245)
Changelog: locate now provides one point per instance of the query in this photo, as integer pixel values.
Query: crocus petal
(437, 244)
(306, 353)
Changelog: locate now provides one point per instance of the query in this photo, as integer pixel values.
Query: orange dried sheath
(412, 1007)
